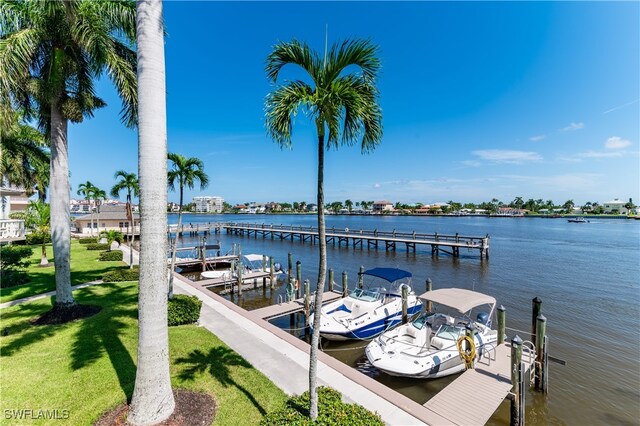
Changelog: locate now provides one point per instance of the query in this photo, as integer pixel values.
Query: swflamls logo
(36, 414)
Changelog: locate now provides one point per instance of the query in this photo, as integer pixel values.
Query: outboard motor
(277, 267)
(482, 318)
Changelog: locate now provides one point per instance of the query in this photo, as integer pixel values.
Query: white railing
(11, 229)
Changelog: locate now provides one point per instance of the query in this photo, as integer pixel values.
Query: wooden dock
(450, 244)
(473, 397)
(195, 229)
(209, 260)
(247, 278)
(282, 309)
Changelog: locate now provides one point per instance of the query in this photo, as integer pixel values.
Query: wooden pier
(286, 308)
(450, 244)
(247, 278)
(190, 261)
(472, 398)
(196, 229)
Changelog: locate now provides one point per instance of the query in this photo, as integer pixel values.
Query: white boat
(365, 313)
(250, 263)
(427, 346)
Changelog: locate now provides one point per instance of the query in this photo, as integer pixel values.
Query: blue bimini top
(389, 274)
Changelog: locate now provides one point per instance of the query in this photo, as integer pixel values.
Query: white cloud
(376, 185)
(616, 142)
(537, 138)
(573, 126)
(600, 154)
(471, 163)
(507, 156)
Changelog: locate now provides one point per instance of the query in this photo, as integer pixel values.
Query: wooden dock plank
(473, 397)
(246, 278)
(274, 311)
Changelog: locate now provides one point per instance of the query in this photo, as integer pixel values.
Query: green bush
(96, 246)
(90, 240)
(122, 275)
(184, 309)
(32, 239)
(110, 255)
(331, 411)
(13, 277)
(12, 260)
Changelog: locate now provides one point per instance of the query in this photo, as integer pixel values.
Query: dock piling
(307, 296)
(361, 277)
(405, 298)
(429, 288)
(470, 332)
(502, 325)
(290, 266)
(345, 284)
(331, 279)
(536, 310)
(541, 350)
(516, 382)
(239, 277)
(272, 281)
(298, 278)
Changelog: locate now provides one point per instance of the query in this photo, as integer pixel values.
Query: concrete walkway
(44, 295)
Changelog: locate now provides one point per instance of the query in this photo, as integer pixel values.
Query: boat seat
(440, 343)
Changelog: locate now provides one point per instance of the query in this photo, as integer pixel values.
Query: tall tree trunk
(60, 214)
(175, 245)
(152, 400)
(322, 269)
(131, 232)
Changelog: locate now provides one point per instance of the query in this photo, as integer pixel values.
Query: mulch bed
(60, 315)
(192, 409)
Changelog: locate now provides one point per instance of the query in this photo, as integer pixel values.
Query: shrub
(331, 411)
(110, 255)
(32, 239)
(97, 246)
(121, 274)
(90, 240)
(12, 260)
(184, 309)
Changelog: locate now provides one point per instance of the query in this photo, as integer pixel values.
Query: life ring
(467, 354)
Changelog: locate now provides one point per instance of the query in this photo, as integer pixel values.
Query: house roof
(111, 212)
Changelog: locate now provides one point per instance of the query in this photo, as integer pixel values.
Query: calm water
(586, 274)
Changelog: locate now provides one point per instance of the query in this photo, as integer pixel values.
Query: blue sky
(480, 100)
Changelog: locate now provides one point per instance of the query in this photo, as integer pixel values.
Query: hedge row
(90, 240)
(122, 275)
(110, 255)
(184, 309)
(331, 411)
(96, 246)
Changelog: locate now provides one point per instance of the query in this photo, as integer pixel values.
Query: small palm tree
(333, 99)
(184, 172)
(87, 190)
(98, 196)
(37, 218)
(111, 236)
(348, 204)
(128, 182)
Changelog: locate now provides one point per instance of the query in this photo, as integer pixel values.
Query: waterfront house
(112, 217)
(12, 199)
(615, 206)
(382, 206)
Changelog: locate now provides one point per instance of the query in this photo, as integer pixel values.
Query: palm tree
(568, 206)
(87, 190)
(348, 204)
(111, 236)
(128, 182)
(37, 218)
(518, 202)
(152, 400)
(184, 172)
(98, 196)
(51, 52)
(333, 97)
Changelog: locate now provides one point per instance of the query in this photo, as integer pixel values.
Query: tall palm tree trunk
(60, 214)
(131, 230)
(152, 400)
(322, 268)
(175, 245)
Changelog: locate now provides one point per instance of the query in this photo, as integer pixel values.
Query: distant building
(12, 200)
(110, 217)
(382, 206)
(208, 204)
(615, 206)
(312, 207)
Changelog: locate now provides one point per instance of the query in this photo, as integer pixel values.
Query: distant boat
(578, 220)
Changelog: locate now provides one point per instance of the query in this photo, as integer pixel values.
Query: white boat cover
(254, 257)
(458, 298)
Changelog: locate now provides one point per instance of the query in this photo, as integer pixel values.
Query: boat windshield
(422, 320)
(364, 295)
(449, 332)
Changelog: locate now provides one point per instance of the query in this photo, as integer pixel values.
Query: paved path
(44, 295)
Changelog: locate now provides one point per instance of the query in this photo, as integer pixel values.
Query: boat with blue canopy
(365, 313)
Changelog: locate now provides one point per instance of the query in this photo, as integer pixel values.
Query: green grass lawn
(85, 267)
(88, 366)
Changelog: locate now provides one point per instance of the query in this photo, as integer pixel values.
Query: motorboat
(427, 346)
(250, 263)
(365, 313)
(577, 220)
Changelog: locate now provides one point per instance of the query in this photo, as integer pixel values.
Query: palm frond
(358, 52)
(281, 107)
(294, 53)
